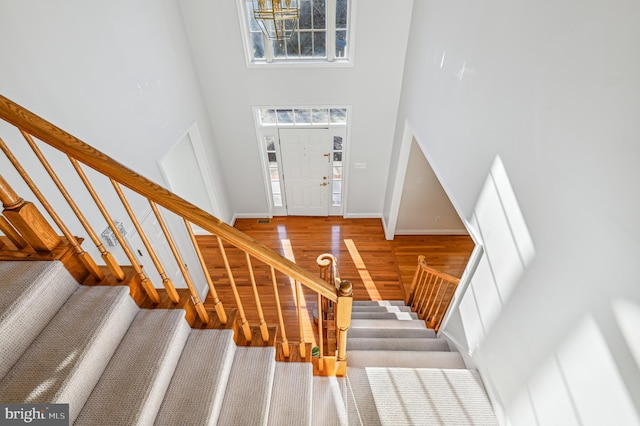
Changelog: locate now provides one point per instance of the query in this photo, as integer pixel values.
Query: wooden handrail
(77, 149)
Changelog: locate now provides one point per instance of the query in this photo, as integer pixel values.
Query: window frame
(311, 62)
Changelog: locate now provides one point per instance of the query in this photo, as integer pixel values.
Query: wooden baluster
(246, 329)
(442, 307)
(303, 348)
(264, 330)
(84, 257)
(285, 343)
(144, 281)
(13, 236)
(423, 290)
(166, 281)
(217, 304)
(27, 220)
(343, 317)
(434, 317)
(108, 258)
(434, 300)
(409, 298)
(420, 278)
(429, 296)
(200, 309)
(320, 332)
(326, 262)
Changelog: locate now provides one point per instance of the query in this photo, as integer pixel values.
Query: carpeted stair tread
(382, 333)
(329, 406)
(196, 391)
(23, 286)
(134, 383)
(291, 394)
(447, 397)
(405, 359)
(402, 316)
(378, 303)
(377, 308)
(361, 405)
(387, 323)
(397, 344)
(66, 360)
(247, 396)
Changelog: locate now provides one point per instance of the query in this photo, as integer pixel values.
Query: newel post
(343, 317)
(409, 297)
(27, 220)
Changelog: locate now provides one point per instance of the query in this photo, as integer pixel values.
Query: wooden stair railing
(431, 293)
(333, 319)
(26, 229)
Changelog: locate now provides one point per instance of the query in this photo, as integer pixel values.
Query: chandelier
(277, 19)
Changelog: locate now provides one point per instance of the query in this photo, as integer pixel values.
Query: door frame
(262, 131)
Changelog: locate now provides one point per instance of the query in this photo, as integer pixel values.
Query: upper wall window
(324, 35)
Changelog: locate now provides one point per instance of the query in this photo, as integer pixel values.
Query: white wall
(118, 75)
(553, 90)
(371, 86)
(424, 206)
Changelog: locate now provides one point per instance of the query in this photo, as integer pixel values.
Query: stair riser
(405, 359)
(371, 308)
(25, 285)
(396, 344)
(403, 316)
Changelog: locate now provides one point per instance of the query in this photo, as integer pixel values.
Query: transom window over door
(287, 141)
(324, 34)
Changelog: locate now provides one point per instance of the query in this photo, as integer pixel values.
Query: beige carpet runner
(117, 364)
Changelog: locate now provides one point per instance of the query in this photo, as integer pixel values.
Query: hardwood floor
(377, 268)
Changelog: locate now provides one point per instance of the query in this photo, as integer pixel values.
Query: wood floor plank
(386, 266)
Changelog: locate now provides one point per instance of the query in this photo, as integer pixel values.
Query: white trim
(264, 162)
(431, 232)
(401, 171)
(465, 281)
(330, 38)
(456, 343)
(249, 216)
(363, 216)
(201, 158)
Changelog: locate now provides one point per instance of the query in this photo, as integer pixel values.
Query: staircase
(117, 364)
(399, 373)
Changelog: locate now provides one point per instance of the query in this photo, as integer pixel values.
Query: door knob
(324, 184)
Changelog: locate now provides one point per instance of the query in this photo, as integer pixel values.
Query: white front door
(306, 166)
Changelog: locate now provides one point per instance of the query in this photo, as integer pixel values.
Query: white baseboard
(237, 216)
(362, 216)
(431, 232)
